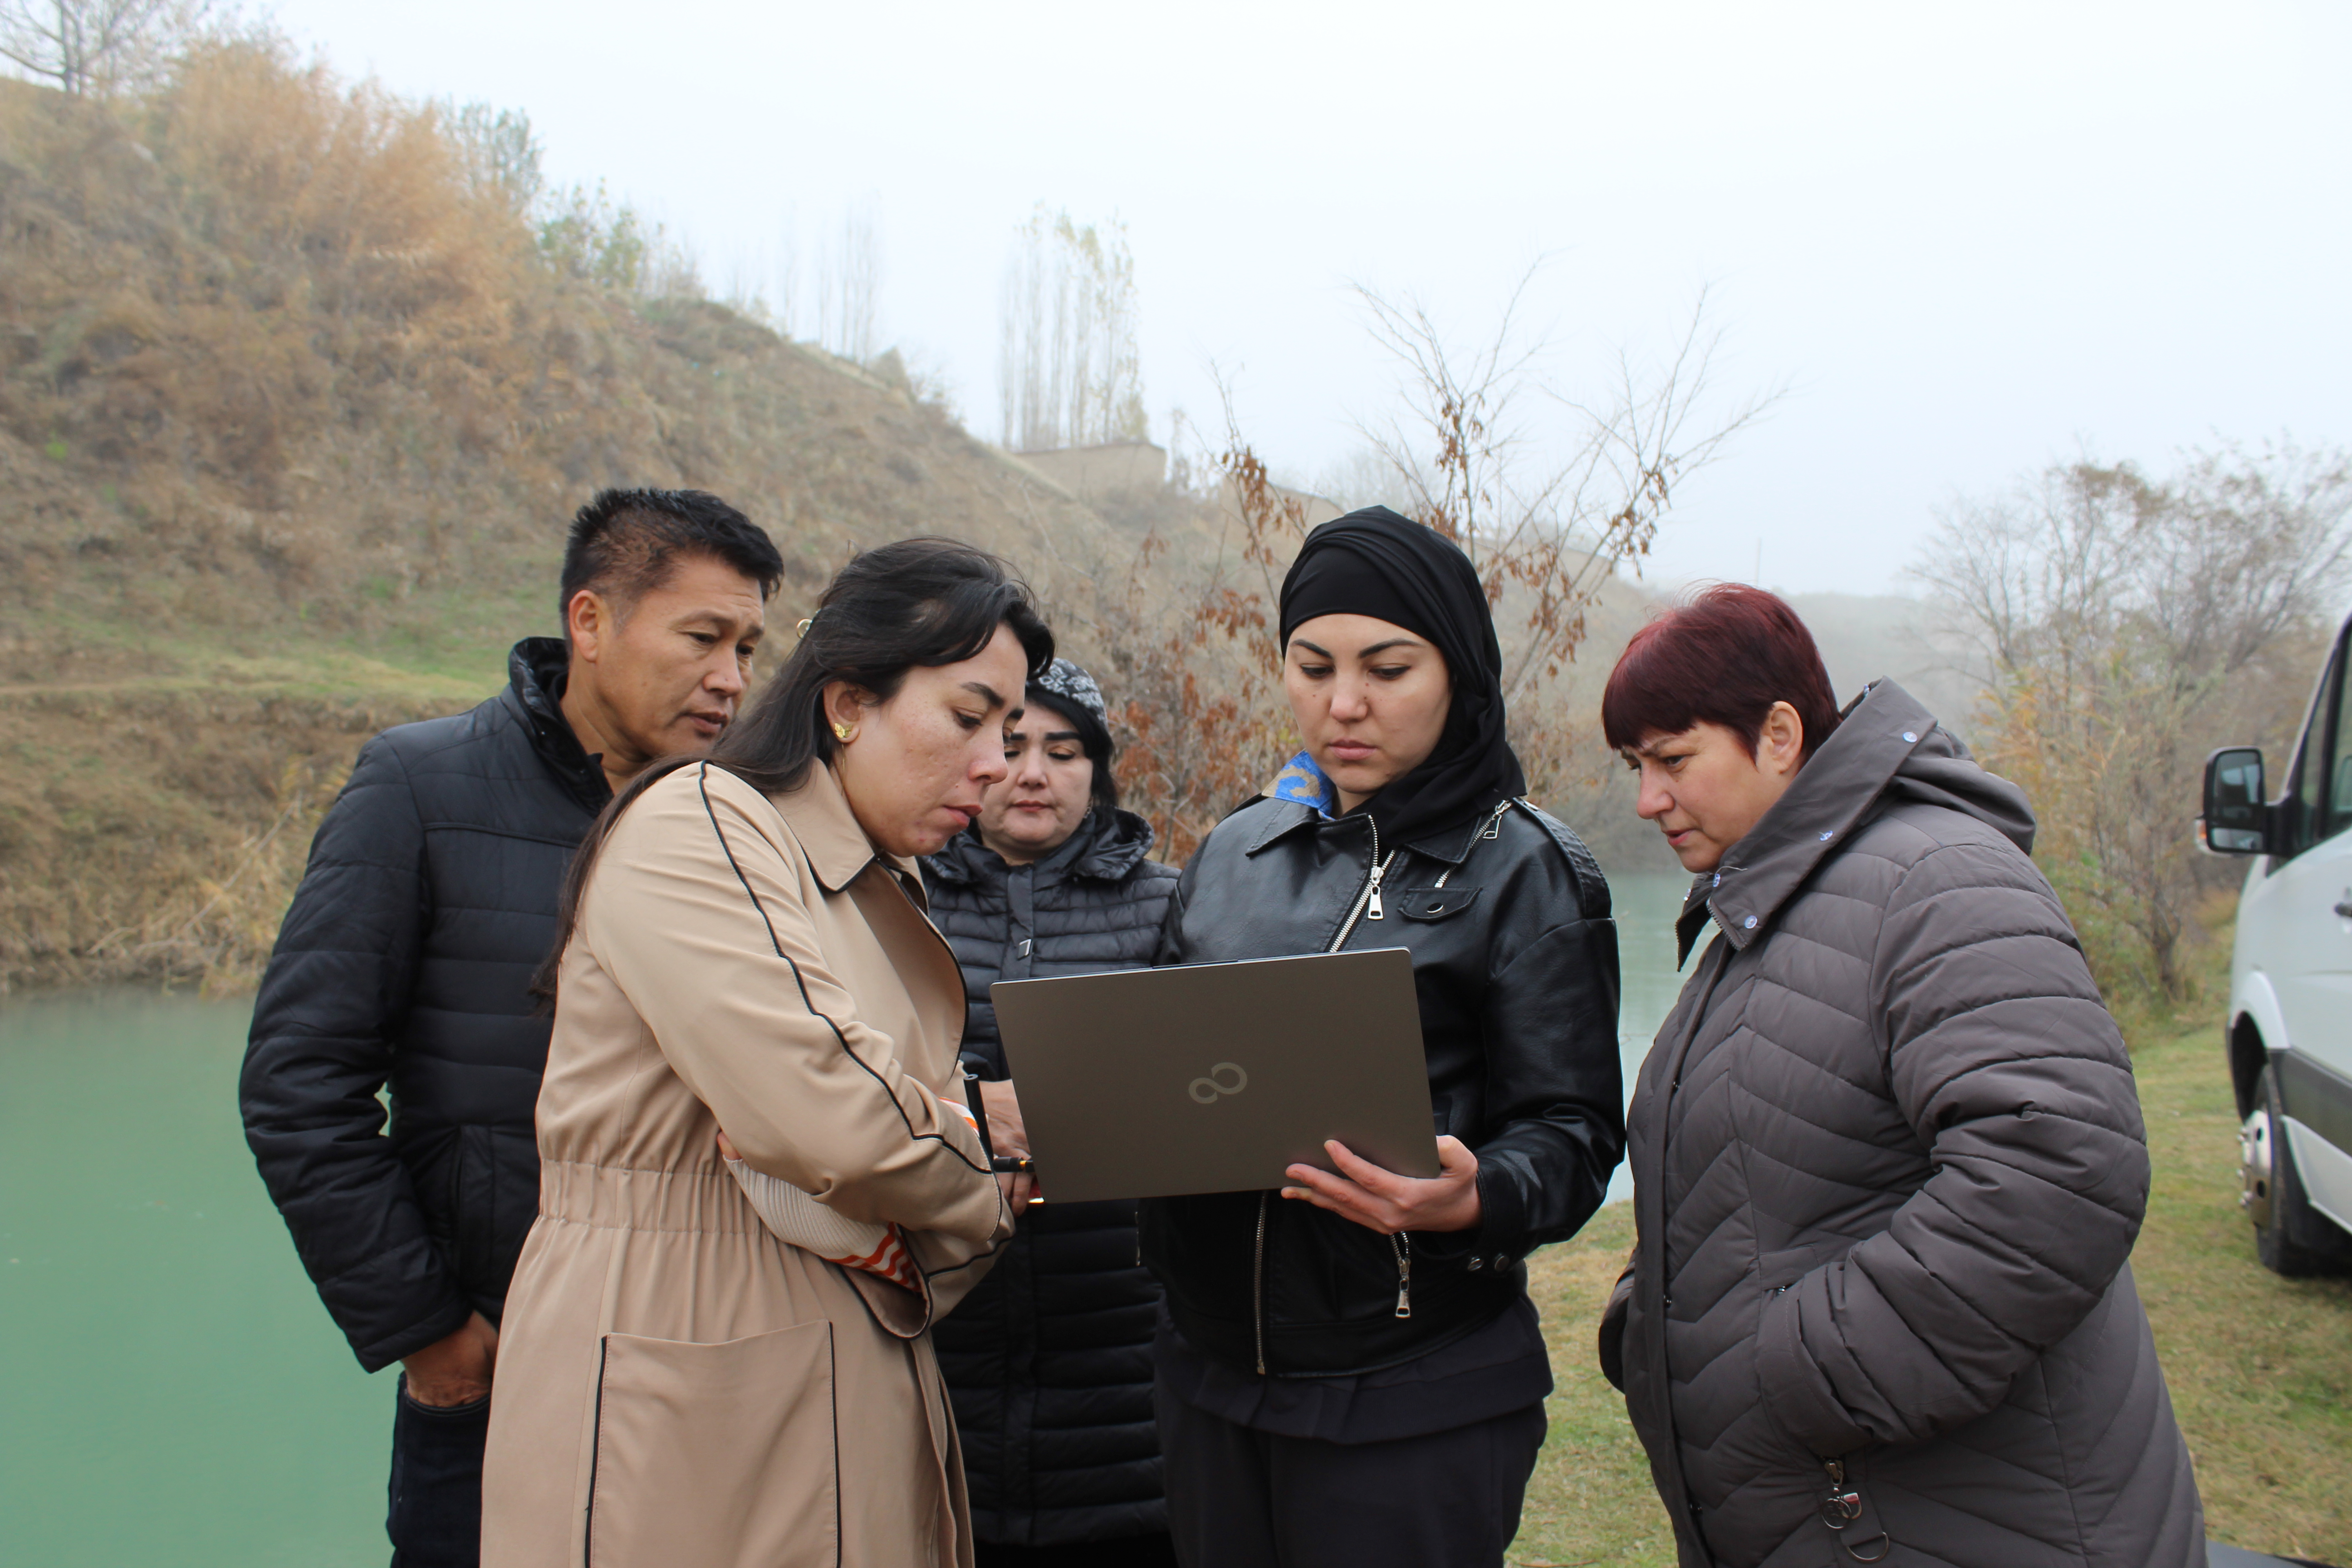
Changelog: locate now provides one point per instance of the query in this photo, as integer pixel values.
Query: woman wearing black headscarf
(1350, 1371)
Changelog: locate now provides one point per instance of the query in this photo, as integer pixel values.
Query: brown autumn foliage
(1185, 648)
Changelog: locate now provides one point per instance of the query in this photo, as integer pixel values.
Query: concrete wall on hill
(1090, 471)
(1317, 508)
(1095, 474)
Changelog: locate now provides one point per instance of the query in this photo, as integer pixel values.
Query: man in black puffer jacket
(406, 964)
(1049, 1359)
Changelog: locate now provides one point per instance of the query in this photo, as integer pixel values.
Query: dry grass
(2260, 1367)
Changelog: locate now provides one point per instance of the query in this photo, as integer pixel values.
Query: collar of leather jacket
(1450, 844)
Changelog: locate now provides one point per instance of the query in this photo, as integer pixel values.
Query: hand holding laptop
(1385, 1201)
(1008, 1135)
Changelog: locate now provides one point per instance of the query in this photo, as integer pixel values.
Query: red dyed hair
(1723, 658)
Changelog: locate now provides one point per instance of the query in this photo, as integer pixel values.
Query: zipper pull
(1373, 912)
(1403, 1249)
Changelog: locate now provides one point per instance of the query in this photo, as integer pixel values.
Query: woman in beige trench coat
(747, 949)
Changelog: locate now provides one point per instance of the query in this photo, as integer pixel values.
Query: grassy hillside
(296, 397)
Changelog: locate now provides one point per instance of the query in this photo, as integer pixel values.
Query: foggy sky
(1968, 241)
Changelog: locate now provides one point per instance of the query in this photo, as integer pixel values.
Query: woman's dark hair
(1723, 658)
(917, 604)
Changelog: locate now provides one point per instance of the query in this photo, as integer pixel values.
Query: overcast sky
(1967, 240)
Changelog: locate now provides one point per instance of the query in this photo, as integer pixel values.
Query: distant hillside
(294, 404)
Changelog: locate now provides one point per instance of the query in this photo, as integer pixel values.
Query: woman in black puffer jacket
(1049, 1358)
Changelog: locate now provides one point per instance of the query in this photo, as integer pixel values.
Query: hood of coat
(1103, 849)
(1886, 748)
(537, 670)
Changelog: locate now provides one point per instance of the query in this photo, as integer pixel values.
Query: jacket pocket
(716, 1455)
(1794, 1395)
(1434, 903)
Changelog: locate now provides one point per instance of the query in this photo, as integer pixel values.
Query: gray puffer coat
(1888, 1166)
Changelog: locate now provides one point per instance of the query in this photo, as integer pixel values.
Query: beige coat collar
(837, 848)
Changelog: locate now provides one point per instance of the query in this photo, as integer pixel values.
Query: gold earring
(845, 733)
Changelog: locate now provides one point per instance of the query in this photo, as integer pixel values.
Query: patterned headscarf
(1069, 690)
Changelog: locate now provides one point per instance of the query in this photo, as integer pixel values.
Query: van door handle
(2343, 907)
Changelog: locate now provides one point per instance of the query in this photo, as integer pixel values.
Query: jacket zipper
(1368, 899)
(1368, 906)
(1257, 1286)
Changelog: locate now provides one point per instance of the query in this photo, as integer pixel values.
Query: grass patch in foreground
(1591, 1501)
(2260, 1367)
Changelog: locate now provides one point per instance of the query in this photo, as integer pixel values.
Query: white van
(2289, 1033)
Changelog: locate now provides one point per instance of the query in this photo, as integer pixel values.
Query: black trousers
(1129, 1552)
(435, 1519)
(1239, 1497)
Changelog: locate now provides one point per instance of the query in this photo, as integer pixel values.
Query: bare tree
(1550, 513)
(501, 150)
(1069, 369)
(849, 287)
(1203, 718)
(97, 46)
(2121, 623)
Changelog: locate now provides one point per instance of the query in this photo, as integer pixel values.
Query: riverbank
(2260, 1367)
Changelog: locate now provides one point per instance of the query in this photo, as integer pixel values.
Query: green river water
(172, 1394)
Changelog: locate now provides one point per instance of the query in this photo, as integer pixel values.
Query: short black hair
(627, 544)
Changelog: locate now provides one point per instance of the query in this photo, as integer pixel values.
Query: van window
(2299, 826)
(2340, 771)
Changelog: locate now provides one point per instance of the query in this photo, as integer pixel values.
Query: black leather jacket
(1515, 958)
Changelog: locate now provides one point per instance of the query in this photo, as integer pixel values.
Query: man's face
(666, 673)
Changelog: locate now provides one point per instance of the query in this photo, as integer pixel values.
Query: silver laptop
(1213, 1078)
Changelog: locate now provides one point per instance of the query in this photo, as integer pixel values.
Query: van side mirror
(2237, 809)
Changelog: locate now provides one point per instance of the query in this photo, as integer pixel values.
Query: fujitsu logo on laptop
(1210, 1090)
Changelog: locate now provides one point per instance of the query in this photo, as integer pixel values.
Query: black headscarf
(1374, 562)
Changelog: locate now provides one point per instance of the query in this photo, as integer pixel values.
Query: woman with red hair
(1887, 1155)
